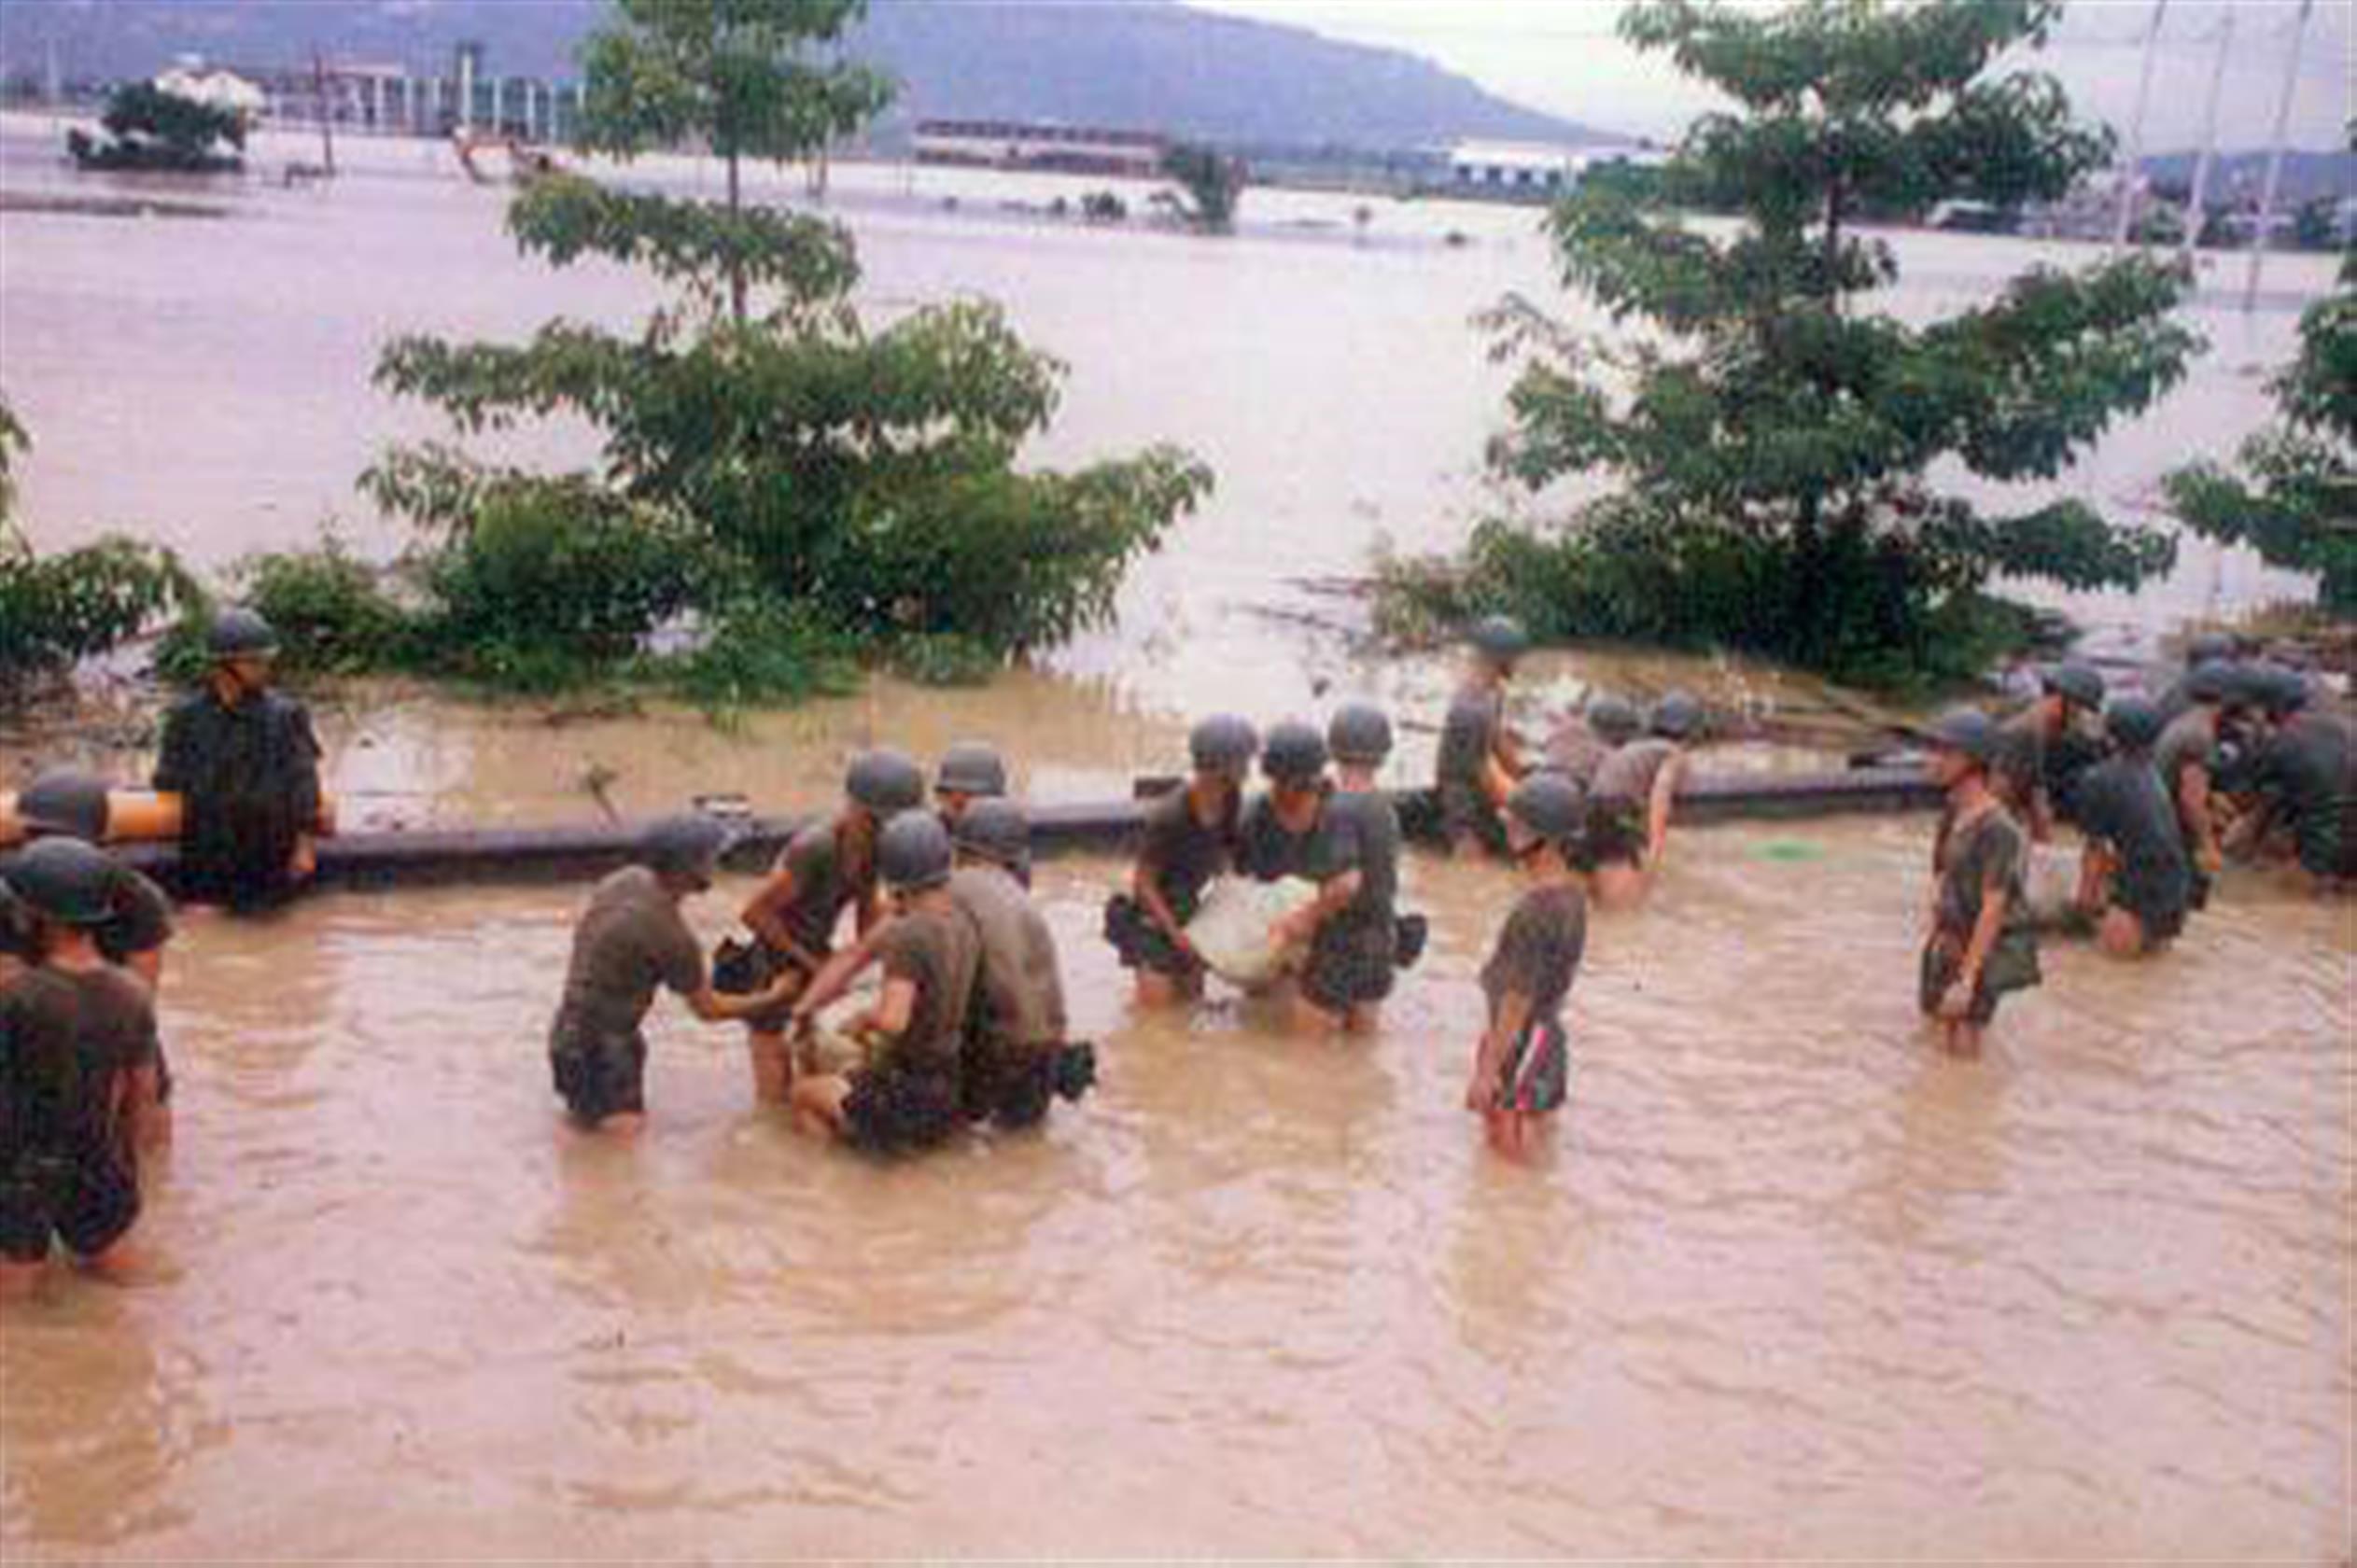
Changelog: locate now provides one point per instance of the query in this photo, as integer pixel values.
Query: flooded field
(1789, 1284)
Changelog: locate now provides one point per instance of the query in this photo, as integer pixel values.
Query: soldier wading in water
(1980, 945)
(1522, 1065)
(1479, 760)
(1190, 838)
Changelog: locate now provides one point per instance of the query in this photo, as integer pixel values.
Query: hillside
(1152, 64)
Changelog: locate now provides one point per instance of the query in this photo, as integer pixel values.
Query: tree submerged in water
(1210, 186)
(1768, 438)
(2298, 505)
(780, 461)
(150, 129)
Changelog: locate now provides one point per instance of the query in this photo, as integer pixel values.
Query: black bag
(741, 968)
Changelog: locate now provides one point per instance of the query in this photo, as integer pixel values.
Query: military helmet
(1500, 637)
(914, 852)
(686, 845)
(1967, 730)
(1359, 732)
(67, 880)
(2277, 688)
(996, 830)
(884, 782)
(2210, 648)
(1550, 805)
(2075, 682)
(64, 801)
(1295, 754)
(972, 768)
(240, 634)
(1614, 719)
(1223, 743)
(2209, 682)
(1677, 715)
(2133, 723)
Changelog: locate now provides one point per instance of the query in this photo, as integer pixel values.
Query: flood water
(1789, 1284)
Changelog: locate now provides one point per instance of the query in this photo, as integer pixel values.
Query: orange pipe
(139, 817)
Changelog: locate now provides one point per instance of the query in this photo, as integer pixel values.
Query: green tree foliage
(1209, 186)
(2297, 504)
(151, 128)
(56, 610)
(746, 79)
(1768, 436)
(770, 459)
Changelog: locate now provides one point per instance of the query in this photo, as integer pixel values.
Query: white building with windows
(1532, 170)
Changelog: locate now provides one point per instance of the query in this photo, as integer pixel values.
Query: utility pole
(2197, 209)
(2135, 131)
(2275, 157)
(326, 112)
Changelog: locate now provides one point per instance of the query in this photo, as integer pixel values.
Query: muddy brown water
(1786, 1284)
(1789, 1284)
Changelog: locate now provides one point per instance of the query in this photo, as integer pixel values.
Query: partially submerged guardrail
(368, 861)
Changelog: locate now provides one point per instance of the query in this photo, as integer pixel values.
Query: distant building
(1532, 170)
(1007, 143)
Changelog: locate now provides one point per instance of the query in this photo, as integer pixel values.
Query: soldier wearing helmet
(2189, 757)
(910, 1093)
(632, 941)
(64, 803)
(1352, 930)
(1980, 945)
(825, 869)
(1632, 799)
(246, 764)
(1522, 1065)
(2135, 881)
(2204, 649)
(1480, 758)
(2046, 747)
(77, 1054)
(969, 772)
(1190, 837)
(2300, 776)
(1589, 734)
(1282, 828)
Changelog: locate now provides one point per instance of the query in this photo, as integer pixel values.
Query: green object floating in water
(1790, 850)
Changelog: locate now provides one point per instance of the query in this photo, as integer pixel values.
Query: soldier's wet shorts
(889, 1112)
(87, 1203)
(1013, 1086)
(2012, 966)
(1142, 944)
(1349, 964)
(599, 1075)
(1536, 1073)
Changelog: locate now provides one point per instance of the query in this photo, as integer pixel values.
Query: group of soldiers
(969, 1022)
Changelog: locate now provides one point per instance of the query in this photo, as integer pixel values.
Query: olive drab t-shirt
(65, 1036)
(631, 942)
(1267, 849)
(2019, 769)
(1990, 849)
(1575, 751)
(2123, 804)
(1361, 830)
(2190, 740)
(939, 952)
(1183, 854)
(1539, 950)
(139, 920)
(2308, 768)
(1020, 997)
(825, 884)
(1627, 776)
(248, 777)
(1469, 736)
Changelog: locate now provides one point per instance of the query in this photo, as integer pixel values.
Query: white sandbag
(2050, 883)
(1231, 927)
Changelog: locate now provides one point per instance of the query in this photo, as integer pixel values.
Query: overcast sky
(1563, 57)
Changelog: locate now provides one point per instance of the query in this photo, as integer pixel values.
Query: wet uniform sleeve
(1998, 855)
(1165, 824)
(137, 1047)
(1341, 843)
(1521, 959)
(302, 766)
